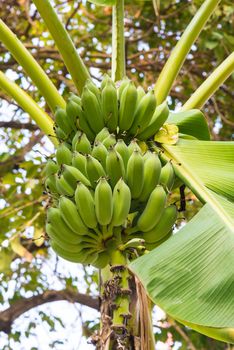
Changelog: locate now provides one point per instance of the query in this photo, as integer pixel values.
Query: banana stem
(118, 44)
(31, 67)
(42, 119)
(107, 233)
(178, 55)
(121, 314)
(211, 84)
(131, 230)
(72, 60)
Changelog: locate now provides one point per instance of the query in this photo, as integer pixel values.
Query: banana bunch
(107, 189)
(126, 111)
(106, 193)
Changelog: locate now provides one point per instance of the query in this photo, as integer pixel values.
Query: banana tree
(188, 274)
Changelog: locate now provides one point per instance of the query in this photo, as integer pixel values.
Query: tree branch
(16, 125)
(8, 316)
(17, 158)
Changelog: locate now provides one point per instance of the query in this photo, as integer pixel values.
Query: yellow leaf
(168, 134)
(19, 249)
(38, 237)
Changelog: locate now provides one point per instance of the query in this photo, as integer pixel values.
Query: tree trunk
(125, 310)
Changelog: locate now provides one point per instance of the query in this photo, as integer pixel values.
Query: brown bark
(134, 332)
(18, 126)
(23, 305)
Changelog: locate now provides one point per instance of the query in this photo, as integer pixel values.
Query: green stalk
(31, 67)
(179, 53)
(72, 60)
(42, 119)
(211, 84)
(122, 301)
(118, 43)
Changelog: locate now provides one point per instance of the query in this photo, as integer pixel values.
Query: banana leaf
(191, 275)
(190, 122)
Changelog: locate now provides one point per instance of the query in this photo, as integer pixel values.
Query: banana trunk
(125, 309)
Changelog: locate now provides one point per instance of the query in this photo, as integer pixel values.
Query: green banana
(95, 90)
(51, 167)
(103, 259)
(167, 176)
(85, 204)
(83, 124)
(75, 139)
(151, 246)
(110, 106)
(109, 141)
(133, 146)
(140, 94)
(71, 216)
(152, 170)
(94, 170)
(61, 135)
(80, 257)
(62, 121)
(163, 227)
(73, 112)
(100, 152)
(132, 243)
(50, 184)
(121, 203)
(122, 149)
(103, 202)
(63, 232)
(65, 244)
(135, 173)
(114, 166)
(122, 86)
(72, 175)
(79, 162)
(92, 110)
(63, 186)
(63, 155)
(75, 98)
(144, 112)
(106, 79)
(102, 135)
(90, 257)
(159, 117)
(127, 106)
(153, 210)
(52, 232)
(81, 144)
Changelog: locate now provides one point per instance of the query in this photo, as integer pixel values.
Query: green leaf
(103, 2)
(191, 122)
(191, 275)
(211, 44)
(211, 163)
(5, 259)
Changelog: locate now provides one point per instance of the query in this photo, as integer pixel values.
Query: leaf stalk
(211, 84)
(179, 53)
(28, 105)
(31, 67)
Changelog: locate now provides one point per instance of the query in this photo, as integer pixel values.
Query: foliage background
(28, 267)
